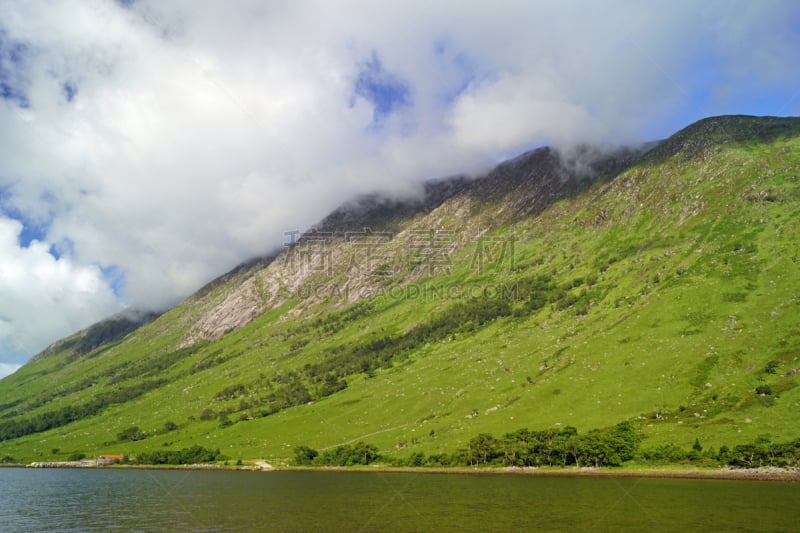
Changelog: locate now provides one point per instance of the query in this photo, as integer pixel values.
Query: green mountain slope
(659, 287)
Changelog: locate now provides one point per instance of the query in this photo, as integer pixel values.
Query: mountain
(656, 285)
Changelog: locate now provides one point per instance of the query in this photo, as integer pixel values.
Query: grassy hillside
(661, 289)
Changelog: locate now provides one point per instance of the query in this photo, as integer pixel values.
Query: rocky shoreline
(61, 464)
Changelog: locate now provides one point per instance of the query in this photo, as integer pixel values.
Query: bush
(304, 456)
(441, 459)
(772, 367)
(763, 390)
(224, 421)
(133, 433)
(416, 459)
(231, 392)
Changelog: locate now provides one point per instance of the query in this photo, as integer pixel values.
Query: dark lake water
(161, 500)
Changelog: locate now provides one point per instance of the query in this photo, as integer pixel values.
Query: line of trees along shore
(552, 447)
(565, 447)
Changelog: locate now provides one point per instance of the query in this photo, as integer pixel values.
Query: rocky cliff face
(342, 254)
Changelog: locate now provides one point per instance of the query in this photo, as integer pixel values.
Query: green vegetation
(659, 296)
(565, 447)
(551, 447)
(186, 456)
(763, 390)
(132, 433)
(346, 455)
(16, 428)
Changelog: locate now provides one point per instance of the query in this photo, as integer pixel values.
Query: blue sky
(149, 146)
(385, 91)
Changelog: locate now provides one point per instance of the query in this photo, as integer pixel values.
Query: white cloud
(7, 369)
(44, 298)
(200, 132)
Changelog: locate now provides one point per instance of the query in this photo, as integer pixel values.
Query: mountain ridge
(535, 178)
(656, 287)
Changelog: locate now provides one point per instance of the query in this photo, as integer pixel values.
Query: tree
(517, 452)
(666, 453)
(561, 443)
(625, 440)
(596, 447)
(572, 444)
(697, 446)
(483, 449)
(416, 459)
(747, 455)
(194, 455)
(363, 454)
(304, 456)
(724, 453)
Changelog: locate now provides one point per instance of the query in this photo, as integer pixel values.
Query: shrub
(224, 421)
(133, 433)
(304, 456)
(231, 392)
(416, 459)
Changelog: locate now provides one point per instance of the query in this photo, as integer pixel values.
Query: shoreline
(752, 474)
(667, 472)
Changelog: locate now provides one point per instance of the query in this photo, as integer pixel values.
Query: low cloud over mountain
(148, 147)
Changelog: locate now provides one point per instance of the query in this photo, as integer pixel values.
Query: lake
(196, 500)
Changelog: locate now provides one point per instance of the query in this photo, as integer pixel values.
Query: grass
(682, 283)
